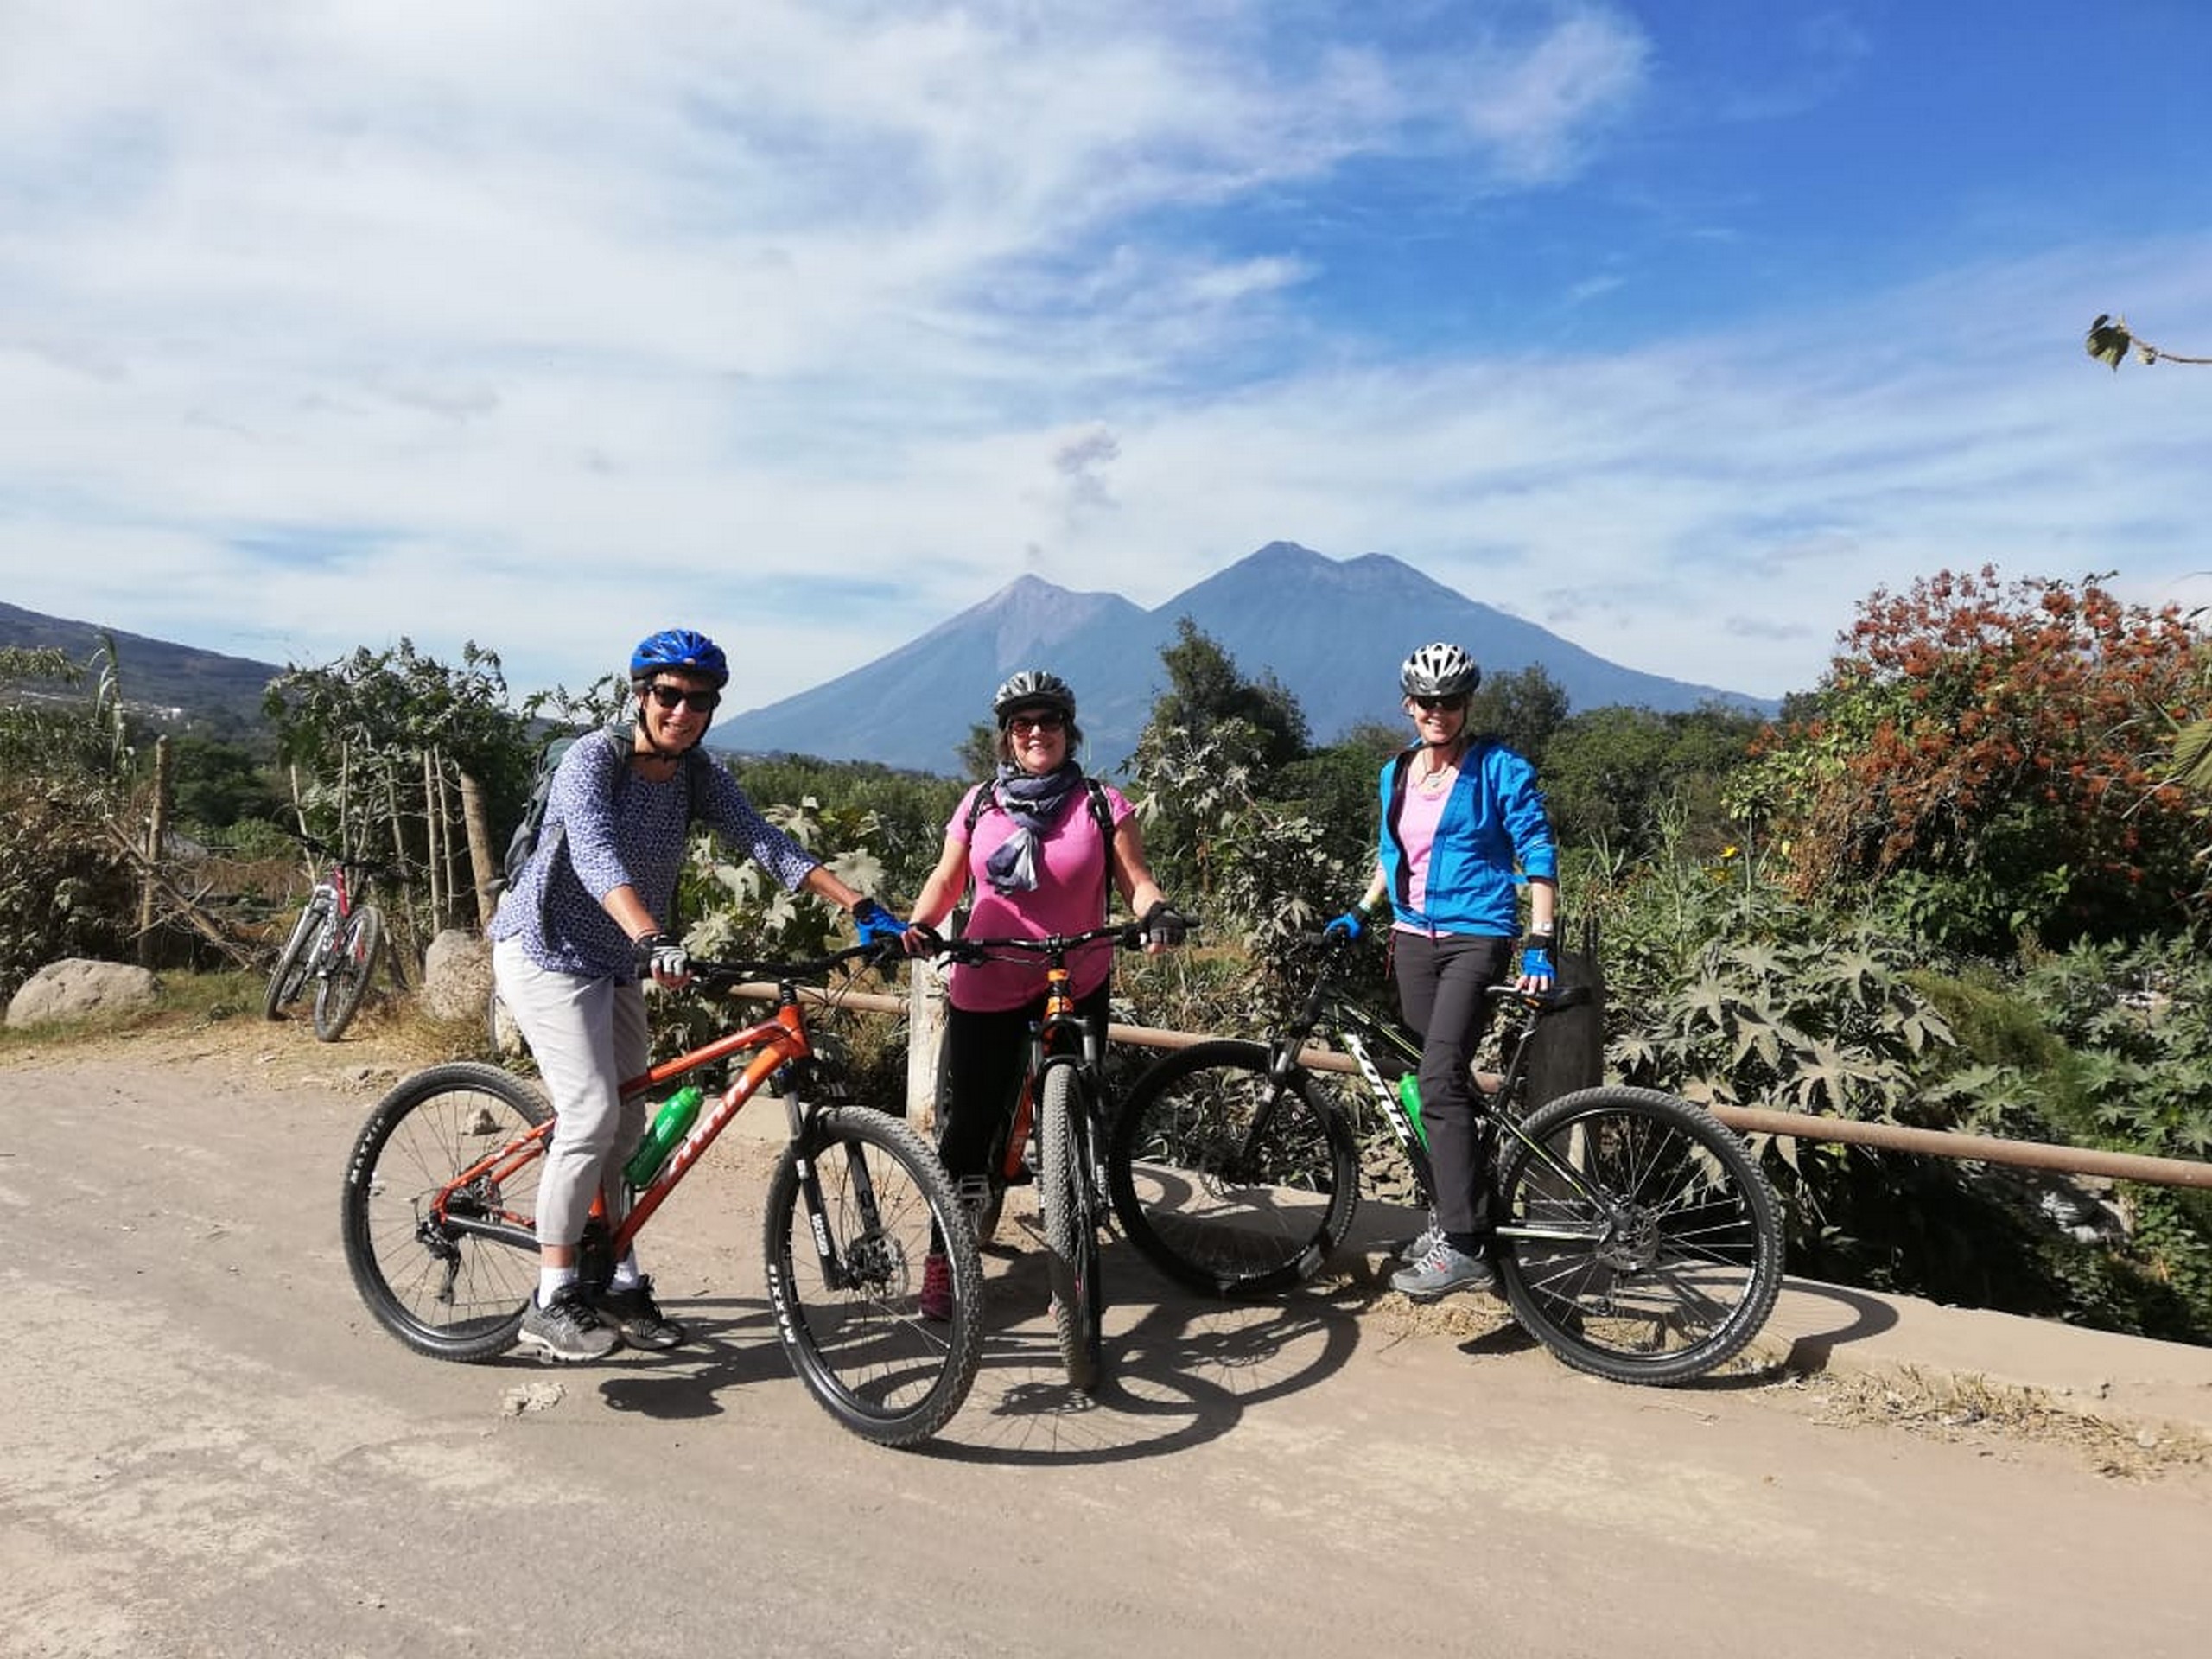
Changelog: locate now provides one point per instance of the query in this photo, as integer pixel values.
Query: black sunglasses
(700, 702)
(1446, 705)
(1037, 719)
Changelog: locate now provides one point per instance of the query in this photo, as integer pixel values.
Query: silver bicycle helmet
(1033, 688)
(1439, 670)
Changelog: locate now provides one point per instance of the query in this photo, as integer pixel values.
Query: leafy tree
(1523, 710)
(1210, 752)
(67, 887)
(1208, 698)
(1623, 777)
(2000, 743)
(898, 816)
(219, 783)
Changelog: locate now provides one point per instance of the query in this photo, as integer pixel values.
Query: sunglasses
(1439, 705)
(1046, 720)
(699, 703)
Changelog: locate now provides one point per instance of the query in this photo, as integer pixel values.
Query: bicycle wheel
(852, 1325)
(1637, 1238)
(352, 961)
(292, 964)
(1228, 1183)
(455, 1286)
(1063, 1196)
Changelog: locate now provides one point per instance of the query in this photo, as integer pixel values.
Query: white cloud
(812, 323)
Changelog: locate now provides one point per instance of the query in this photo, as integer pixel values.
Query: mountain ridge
(1283, 609)
(1333, 631)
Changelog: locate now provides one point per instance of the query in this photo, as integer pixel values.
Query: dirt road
(207, 1448)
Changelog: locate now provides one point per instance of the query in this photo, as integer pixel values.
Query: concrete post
(924, 1039)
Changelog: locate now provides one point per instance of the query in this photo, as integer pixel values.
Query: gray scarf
(1033, 802)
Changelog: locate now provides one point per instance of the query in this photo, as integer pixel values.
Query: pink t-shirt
(1419, 813)
(1069, 896)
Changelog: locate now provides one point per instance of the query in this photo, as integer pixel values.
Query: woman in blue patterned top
(579, 929)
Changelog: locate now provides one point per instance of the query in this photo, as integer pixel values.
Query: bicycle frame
(1047, 1047)
(782, 1039)
(1357, 1028)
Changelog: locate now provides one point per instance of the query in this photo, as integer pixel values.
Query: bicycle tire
(861, 1347)
(448, 1292)
(1209, 1204)
(353, 963)
(290, 973)
(1675, 1263)
(1063, 1196)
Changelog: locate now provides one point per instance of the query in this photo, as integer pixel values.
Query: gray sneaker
(638, 1317)
(567, 1329)
(1426, 1241)
(1445, 1268)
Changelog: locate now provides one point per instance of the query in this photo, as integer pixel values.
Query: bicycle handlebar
(726, 971)
(1129, 936)
(316, 844)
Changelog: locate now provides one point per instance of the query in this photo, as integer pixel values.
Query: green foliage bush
(66, 889)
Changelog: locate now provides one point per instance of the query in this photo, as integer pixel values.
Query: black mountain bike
(1064, 1101)
(336, 942)
(1636, 1237)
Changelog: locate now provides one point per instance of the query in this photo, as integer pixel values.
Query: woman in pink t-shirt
(1033, 844)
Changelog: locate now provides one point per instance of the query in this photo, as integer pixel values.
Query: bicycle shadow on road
(1181, 1370)
(733, 1351)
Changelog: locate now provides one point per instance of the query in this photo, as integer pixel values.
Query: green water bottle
(670, 1125)
(1410, 1098)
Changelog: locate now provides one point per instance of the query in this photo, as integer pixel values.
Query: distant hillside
(158, 677)
(1333, 631)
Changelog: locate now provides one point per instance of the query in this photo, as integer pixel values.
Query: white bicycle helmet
(1439, 670)
(1033, 688)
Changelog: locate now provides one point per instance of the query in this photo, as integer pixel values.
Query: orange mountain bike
(439, 1215)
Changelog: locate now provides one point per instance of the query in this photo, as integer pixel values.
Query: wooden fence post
(480, 864)
(157, 832)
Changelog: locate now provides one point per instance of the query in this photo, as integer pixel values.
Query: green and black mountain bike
(1637, 1239)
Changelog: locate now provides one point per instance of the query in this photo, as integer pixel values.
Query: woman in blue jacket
(1459, 815)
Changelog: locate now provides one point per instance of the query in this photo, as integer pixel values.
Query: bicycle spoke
(454, 1291)
(1639, 1241)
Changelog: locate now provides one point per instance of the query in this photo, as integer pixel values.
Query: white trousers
(587, 1036)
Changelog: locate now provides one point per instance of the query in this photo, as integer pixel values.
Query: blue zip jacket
(1493, 819)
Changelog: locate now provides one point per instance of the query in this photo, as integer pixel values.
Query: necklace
(1436, 780)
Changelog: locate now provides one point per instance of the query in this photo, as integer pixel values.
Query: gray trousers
(587, 1036)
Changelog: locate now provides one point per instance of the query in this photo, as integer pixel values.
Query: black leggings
(1441, 985)
(984, 1058)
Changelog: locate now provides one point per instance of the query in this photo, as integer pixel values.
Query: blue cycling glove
(1536, 963)
(875, 924)
(1346, 926)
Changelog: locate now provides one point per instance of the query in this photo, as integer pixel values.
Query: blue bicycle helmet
(679, 648)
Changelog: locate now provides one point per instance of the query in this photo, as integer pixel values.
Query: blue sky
(1676, 326)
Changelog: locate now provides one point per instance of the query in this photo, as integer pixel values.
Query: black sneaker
(566, 1329)
(639, 1317)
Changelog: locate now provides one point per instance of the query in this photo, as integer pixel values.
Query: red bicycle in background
(336, 942)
